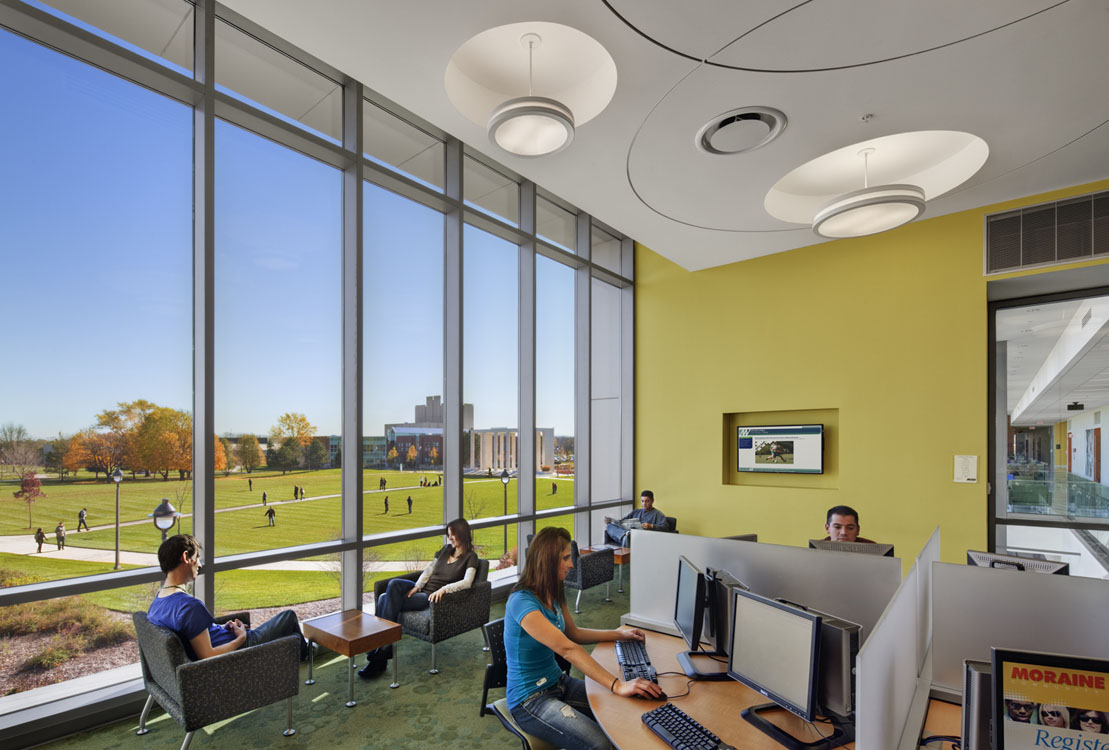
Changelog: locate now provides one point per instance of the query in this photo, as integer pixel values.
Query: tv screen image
(791, 449)
(1049, 701)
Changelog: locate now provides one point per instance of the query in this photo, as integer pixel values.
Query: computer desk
(716, 705)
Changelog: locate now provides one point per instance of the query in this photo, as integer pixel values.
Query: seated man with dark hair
(649, 516)
(174, 608)
(843, 525)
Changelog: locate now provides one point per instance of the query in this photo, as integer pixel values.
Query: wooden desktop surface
(716, 705)
(943, 718)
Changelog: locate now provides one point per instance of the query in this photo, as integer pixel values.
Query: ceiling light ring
(530, 106)
(903, 195)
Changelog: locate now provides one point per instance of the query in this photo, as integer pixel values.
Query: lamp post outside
(165, 515)
(504, 481)
(117, 477)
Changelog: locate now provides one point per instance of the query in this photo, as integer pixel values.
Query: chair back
(160, 653)
(482, 571)
(673, 523)
(496, 674)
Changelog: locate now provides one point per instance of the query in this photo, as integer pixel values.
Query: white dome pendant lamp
(869, 211)
(531, 125)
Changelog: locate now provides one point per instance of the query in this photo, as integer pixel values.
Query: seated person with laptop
(843, 525)
(647, 517)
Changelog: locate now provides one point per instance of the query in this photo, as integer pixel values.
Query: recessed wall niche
(829, 480)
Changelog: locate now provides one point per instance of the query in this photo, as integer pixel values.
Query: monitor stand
(685, 659)
(842, 732)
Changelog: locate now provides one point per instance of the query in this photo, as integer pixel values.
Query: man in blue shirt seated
(647, 515)
(176, 609)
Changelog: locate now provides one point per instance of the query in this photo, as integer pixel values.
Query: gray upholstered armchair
(452, 615)
(199, 693)
(590, 570)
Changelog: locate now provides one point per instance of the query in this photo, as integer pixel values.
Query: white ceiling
(1025, 75)
(1046, 373)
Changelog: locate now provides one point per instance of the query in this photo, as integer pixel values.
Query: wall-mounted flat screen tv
(776, 449)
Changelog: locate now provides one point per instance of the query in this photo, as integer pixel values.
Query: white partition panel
(975, 608)
(886, 670)
(852, 586)
(929, 554)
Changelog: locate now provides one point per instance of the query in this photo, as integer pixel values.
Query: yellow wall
(890, 330)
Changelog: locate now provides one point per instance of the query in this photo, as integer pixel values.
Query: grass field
(245, 529)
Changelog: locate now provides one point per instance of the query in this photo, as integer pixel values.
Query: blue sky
(96, 210)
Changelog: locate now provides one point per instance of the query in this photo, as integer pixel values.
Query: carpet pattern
(425, 711)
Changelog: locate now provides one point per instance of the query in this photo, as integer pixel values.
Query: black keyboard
(681, 732)
(633, 659)
(631, 652)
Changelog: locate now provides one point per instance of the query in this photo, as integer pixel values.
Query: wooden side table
(349, 633)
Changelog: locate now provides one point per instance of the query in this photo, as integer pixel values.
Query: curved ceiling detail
(1024, 75)
(726, 193)
(795, 37)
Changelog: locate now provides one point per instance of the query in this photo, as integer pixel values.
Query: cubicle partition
(851, 586)
(891, 661)
(976, 608)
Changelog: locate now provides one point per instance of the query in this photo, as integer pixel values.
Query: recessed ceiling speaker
(740, 130)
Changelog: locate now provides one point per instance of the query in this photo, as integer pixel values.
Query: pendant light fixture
(870, 210)
(532, 125)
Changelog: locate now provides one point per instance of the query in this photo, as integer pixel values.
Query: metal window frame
(210, 106)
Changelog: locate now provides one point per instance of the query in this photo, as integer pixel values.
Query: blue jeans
(280, 625)
(561, 715)
(616, 534)
(396, 599)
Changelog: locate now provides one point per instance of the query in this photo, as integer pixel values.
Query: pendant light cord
(531, 48)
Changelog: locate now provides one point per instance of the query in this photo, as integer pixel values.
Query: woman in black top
(453, 569)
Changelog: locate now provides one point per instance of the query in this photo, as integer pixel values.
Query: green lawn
(246, 529)
(138, 497)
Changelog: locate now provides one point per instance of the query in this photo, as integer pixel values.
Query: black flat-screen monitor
(690, 605)
(1049, 701)
(775, 650)
(776, 449)
(718, 609)
(866, 548)
(1016, 562)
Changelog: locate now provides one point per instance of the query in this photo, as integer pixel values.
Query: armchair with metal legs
(199, 693)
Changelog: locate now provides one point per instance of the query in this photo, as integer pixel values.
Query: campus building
(300, 186)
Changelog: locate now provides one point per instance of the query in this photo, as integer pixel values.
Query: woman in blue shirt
(537, 625)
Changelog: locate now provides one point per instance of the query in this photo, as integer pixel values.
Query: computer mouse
(659, 697)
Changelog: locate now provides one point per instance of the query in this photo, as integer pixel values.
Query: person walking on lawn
(270, 515)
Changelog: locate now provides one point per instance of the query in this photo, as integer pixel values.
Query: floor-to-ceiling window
(1051, 387)
(108, 181)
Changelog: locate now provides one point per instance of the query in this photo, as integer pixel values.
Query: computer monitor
(718, 609)
(690, 604)
(1048, 700)
(1016, 562)
(774, 650)
(866, 548)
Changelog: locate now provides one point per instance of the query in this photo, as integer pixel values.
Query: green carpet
(425, 711)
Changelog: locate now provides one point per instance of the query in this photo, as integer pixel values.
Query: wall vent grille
(1060, 232)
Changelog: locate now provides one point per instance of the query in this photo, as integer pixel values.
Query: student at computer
(537, 625)
(843, 525)
(648, 515)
